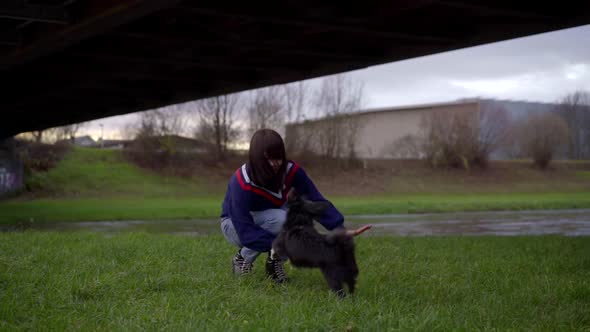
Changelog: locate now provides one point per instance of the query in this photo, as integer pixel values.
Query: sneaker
(275, 269)
(240, 266)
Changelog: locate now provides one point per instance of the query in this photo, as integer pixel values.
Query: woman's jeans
(271, 220)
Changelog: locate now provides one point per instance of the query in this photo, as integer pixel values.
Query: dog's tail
(340, 238)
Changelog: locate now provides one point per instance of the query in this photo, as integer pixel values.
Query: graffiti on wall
(9, 180)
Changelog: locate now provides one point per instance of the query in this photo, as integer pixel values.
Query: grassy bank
(93, 184)
(86, 172)
(45, 210)
(79, 281)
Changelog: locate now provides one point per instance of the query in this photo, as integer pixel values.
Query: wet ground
(563, 222)
(510, 223)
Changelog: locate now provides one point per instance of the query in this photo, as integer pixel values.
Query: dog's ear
(316, 208)
(292, 196)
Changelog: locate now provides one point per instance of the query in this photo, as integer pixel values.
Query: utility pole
(101, 136)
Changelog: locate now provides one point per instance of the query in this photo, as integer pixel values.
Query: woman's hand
(358, 231)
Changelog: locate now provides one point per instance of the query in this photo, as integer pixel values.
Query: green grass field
(92, 184)
(138, 282)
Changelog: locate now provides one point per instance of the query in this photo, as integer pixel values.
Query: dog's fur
(304, 246)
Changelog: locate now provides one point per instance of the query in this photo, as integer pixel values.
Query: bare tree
(296, 101)
(267, 109)
(339, 96)
(494, 131)
(574, 108)
(300, 139)
(156, 132)
(350, 126)
(330, 137)
(38, 135)
(43, 135)
(406, 147)
(450, 138)
(68, 132)
(128, 131)
(541, 136)
(462, 138)
(160, 122)
(217, 121)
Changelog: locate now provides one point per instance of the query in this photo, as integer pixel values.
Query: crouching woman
(254, 209)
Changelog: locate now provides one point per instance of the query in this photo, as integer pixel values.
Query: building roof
(79, 140)
(462, 101)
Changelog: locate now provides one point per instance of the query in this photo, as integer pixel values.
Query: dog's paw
(274, 255)
(340, 293)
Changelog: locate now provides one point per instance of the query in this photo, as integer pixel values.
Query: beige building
(388, 132)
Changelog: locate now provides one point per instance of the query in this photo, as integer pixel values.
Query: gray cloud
(542, 67)
(533, 53)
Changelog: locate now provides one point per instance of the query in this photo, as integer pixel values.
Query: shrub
(463, 138)
(541, 136)
(40, 157)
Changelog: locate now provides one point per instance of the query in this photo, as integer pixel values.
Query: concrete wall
(11, 168)
(380, 133)
(375, 133)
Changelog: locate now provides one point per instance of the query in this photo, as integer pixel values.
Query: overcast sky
(536, 68)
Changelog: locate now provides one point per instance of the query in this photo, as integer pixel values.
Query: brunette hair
(267, 144)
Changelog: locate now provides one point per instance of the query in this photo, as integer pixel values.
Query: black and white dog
(304, 246)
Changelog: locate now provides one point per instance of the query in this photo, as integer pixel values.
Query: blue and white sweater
(243, 196)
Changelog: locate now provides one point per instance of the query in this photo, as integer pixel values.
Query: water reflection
(563, 222)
